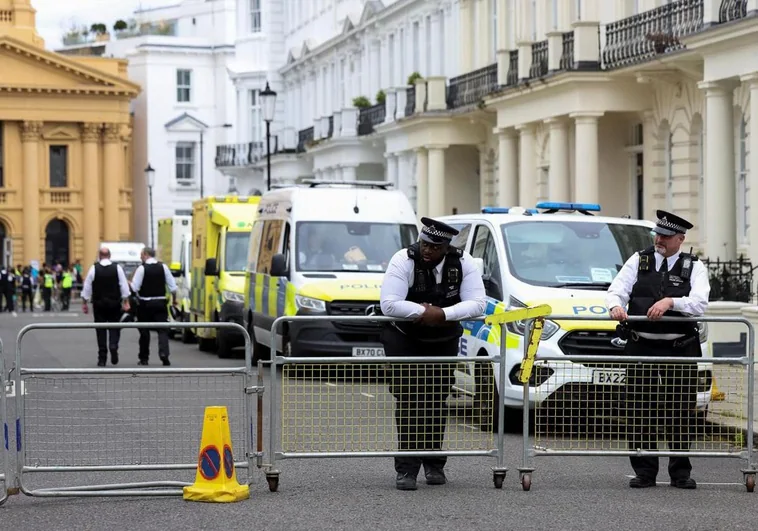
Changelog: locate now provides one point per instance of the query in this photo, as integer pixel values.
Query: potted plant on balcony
(361, 102)
(101, 31)
(381, 97)
(661, 41)
(413, 77)
(119, 26)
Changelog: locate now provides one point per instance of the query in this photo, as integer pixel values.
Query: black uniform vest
(105, 288)
(426, 289)
(4, 278)
(154, 281)
(652, 286)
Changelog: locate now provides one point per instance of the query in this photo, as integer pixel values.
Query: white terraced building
(633, 104)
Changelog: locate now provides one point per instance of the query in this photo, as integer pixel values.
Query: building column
(752, 82)
(436, 181)
(483, 30)
(720, 186)
(30, 136)
(91, 189)
(558, 184)
(422, 182)
(507, 168)
(435, 68)
(586, 158)
(465, 40)
(393, 169)
(527, 184)
(113, 170)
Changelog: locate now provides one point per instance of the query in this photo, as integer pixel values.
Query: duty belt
(679, 342)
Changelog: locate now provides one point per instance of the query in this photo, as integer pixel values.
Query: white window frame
(743, 186)
(701, 170)
(533, 15)
(428, 51)
(416, 46)
(578, 10)
(669, 169)
(183, 85)
(554, 14)
(256, 16)
(256, 115)
(189, 163)
(493, 37)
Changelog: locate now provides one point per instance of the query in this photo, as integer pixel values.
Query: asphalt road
(128, 419)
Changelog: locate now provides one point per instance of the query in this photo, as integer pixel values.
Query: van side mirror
(479, 264)
(211, 267)
(279, 265)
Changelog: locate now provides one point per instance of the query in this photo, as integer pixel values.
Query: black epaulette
(413, 251)
(454, 251)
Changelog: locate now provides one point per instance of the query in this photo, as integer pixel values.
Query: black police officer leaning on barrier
(437, 285)
(661, 281)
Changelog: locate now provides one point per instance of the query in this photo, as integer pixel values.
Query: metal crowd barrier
(601, 405)
(321, 419)
(126, 420)
(4, 472)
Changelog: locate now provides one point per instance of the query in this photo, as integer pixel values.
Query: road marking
(55, 314)
(330, 384)
(367, 395)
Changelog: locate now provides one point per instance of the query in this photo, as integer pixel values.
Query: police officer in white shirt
(149, 283)
(436, 285)
(661, 281)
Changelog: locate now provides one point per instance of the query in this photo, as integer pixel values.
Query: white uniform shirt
(693, 305)
(122, 282)
(399, 278)
(139, 276)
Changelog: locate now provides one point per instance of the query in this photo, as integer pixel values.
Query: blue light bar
(586, 207)
(505, 210)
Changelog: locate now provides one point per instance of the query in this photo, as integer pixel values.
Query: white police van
(564, 255)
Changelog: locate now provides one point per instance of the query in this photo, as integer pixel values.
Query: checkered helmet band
(436, 233)
(666, 224)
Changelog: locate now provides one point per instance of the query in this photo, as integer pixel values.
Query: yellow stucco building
(65, 147)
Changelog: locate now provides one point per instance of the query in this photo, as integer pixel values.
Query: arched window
(743, 186)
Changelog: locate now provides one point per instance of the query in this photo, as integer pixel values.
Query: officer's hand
(126, 306)
(85, 308)
(657, 310)
(618, 313)
(433, 315)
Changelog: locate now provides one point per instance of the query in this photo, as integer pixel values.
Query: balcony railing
(567, 53)
(731, 280)
(732, 10)
(370, 117)
(539, 60)
(235, 155)
(410, 103)
(53, 197)
(512, 77)
(640, 37)
(304, 137)
(472, 87)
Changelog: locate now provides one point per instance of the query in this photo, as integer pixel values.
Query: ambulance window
(270, 241)
(286, 245)
(255, 244)
(485, 248)
(462, 237)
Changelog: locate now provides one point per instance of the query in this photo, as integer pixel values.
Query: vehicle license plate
(609, 377)
(369, 352)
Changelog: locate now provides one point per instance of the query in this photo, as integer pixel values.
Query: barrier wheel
(498, 478)
(750, 482)
(526, 482)
(273, 482)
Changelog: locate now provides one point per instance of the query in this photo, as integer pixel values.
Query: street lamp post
(268, 98)
(150, 174)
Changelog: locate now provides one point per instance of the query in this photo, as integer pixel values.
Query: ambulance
(174, 239)
(564, 255)
(322, 249)
(220, 237)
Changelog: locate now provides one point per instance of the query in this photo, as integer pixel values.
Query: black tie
(664, 266)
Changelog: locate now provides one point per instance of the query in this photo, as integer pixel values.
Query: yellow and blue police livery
(564, 255)
(321, 249)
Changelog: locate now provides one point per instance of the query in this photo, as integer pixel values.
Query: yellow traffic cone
(216, 478)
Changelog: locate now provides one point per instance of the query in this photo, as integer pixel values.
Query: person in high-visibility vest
(67, 282)
(48, 281)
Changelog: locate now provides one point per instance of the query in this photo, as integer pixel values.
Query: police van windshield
(571, 254)
(236, 251)
(334, 246)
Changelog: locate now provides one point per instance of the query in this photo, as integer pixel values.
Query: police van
(321, 248)
(564, 255)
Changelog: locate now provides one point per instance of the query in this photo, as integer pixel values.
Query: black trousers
(420, 392)
(152, 312)
(107, 338)
(660, 402)
(26, 295)
(47, 294)
(9, 292)
(65, 298)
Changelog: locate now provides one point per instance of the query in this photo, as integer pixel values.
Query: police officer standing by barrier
(48, 283)
(108, 289)
(661, 281)
(149, 283)
(7, 288)
(436, 285)
(67, 282)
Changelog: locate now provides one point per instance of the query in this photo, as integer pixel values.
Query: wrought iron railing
(234, 155)
(732, 10)
(370, 117)
(512, 77)
(640, 37)
(410, 102)
(539, 60)
(567, 53)
(731, 280)
(472, 87)
(304, 137)
(330, 132)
